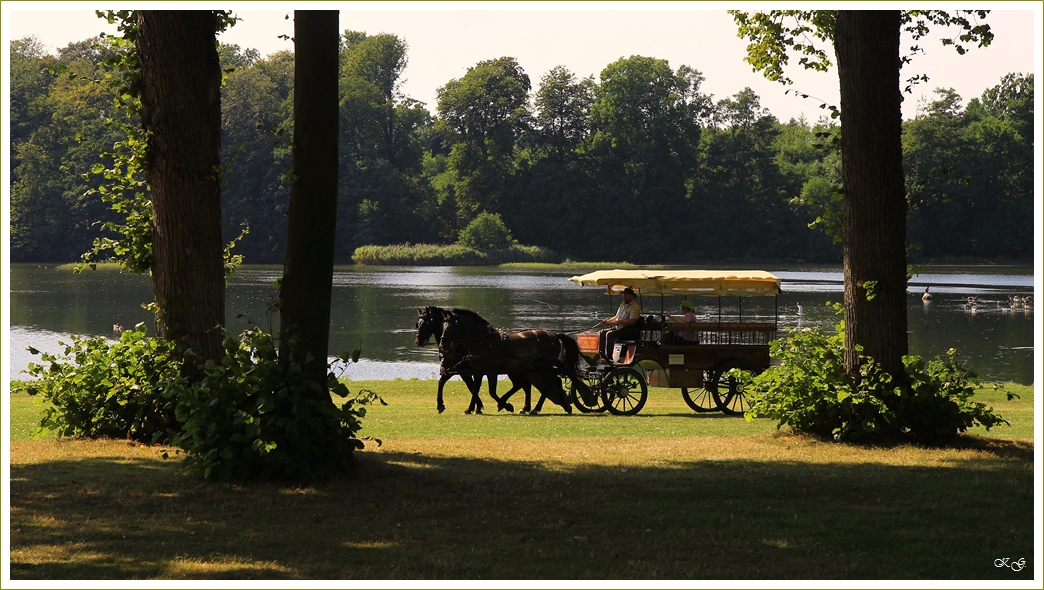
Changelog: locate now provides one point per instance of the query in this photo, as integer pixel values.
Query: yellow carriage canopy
(684, 282)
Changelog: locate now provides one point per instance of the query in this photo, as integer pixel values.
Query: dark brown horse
(542, 374)
(440, 323)
(434, 321)
(494, 351)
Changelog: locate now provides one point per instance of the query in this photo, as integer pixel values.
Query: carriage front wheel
(730, 385)
(624, 391)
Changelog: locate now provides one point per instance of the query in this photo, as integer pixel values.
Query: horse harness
(495, 345)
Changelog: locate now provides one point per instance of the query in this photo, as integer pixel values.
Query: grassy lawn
(665, 495)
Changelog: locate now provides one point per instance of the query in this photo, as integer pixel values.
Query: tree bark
(181, 109)
(307, 284)
(874, 208)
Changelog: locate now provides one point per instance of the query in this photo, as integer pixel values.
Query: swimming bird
(927, 296)
(801, 310)
(117, 328)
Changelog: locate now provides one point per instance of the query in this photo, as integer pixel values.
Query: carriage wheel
(624, 391)
(578, 400)
(700, 399)
(730, 386)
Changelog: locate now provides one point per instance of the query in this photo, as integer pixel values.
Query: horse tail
(571, 352)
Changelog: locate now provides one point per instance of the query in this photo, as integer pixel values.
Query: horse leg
(492, 380)
(474, 406)
(441, 407)
(540, 403)
(476, 397)
(529, 399)
(502, 403)
(549, 382)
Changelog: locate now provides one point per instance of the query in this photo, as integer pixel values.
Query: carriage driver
(625, 323)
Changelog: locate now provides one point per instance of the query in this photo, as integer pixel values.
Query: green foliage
(936, 402)
(249, 418)
(773, 35)
(591, 168)
(954, 156)
(246, 417)
(123, 185)
(563, 106)
(453, 255)
(484, 113)
(125, 189)
(486, 232)
(97, 389)
(810, 391)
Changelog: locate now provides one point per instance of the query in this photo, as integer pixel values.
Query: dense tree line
(638, 165)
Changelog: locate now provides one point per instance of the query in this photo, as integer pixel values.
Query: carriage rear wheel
(597, 405)
(730, 385)
(700, 399)
(624, 391)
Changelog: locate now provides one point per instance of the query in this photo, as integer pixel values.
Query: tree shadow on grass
(401, 515)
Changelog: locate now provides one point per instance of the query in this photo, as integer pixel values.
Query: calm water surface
(374, 309)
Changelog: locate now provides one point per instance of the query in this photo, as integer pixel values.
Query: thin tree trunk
(874, 217)
(308, 268)
(181, 108)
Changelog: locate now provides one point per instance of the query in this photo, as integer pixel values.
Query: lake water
(374, 308)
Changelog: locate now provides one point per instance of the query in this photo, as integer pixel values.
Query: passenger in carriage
(688, 317)
(625, 323)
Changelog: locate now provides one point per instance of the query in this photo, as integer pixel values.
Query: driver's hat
(686, 304)
(629, 291)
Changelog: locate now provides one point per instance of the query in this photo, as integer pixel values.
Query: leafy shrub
(810, 391)
(486, 232)
(246, 418)
(936, 403)
(96, 389)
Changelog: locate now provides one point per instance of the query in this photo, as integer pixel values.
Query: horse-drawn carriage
(712, 361)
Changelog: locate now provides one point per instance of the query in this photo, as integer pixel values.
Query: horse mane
(474, 317)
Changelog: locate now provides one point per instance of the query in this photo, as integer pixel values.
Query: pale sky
(445, 39)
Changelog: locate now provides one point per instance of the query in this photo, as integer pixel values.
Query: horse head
(451, 342)
(429, 323)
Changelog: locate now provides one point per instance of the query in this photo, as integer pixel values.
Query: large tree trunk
(304, 313)
(874, 216)
(181, 108)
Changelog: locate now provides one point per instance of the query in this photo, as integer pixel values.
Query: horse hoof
(478, 411)
(441, 409)
(508, 407)
(466, 412)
